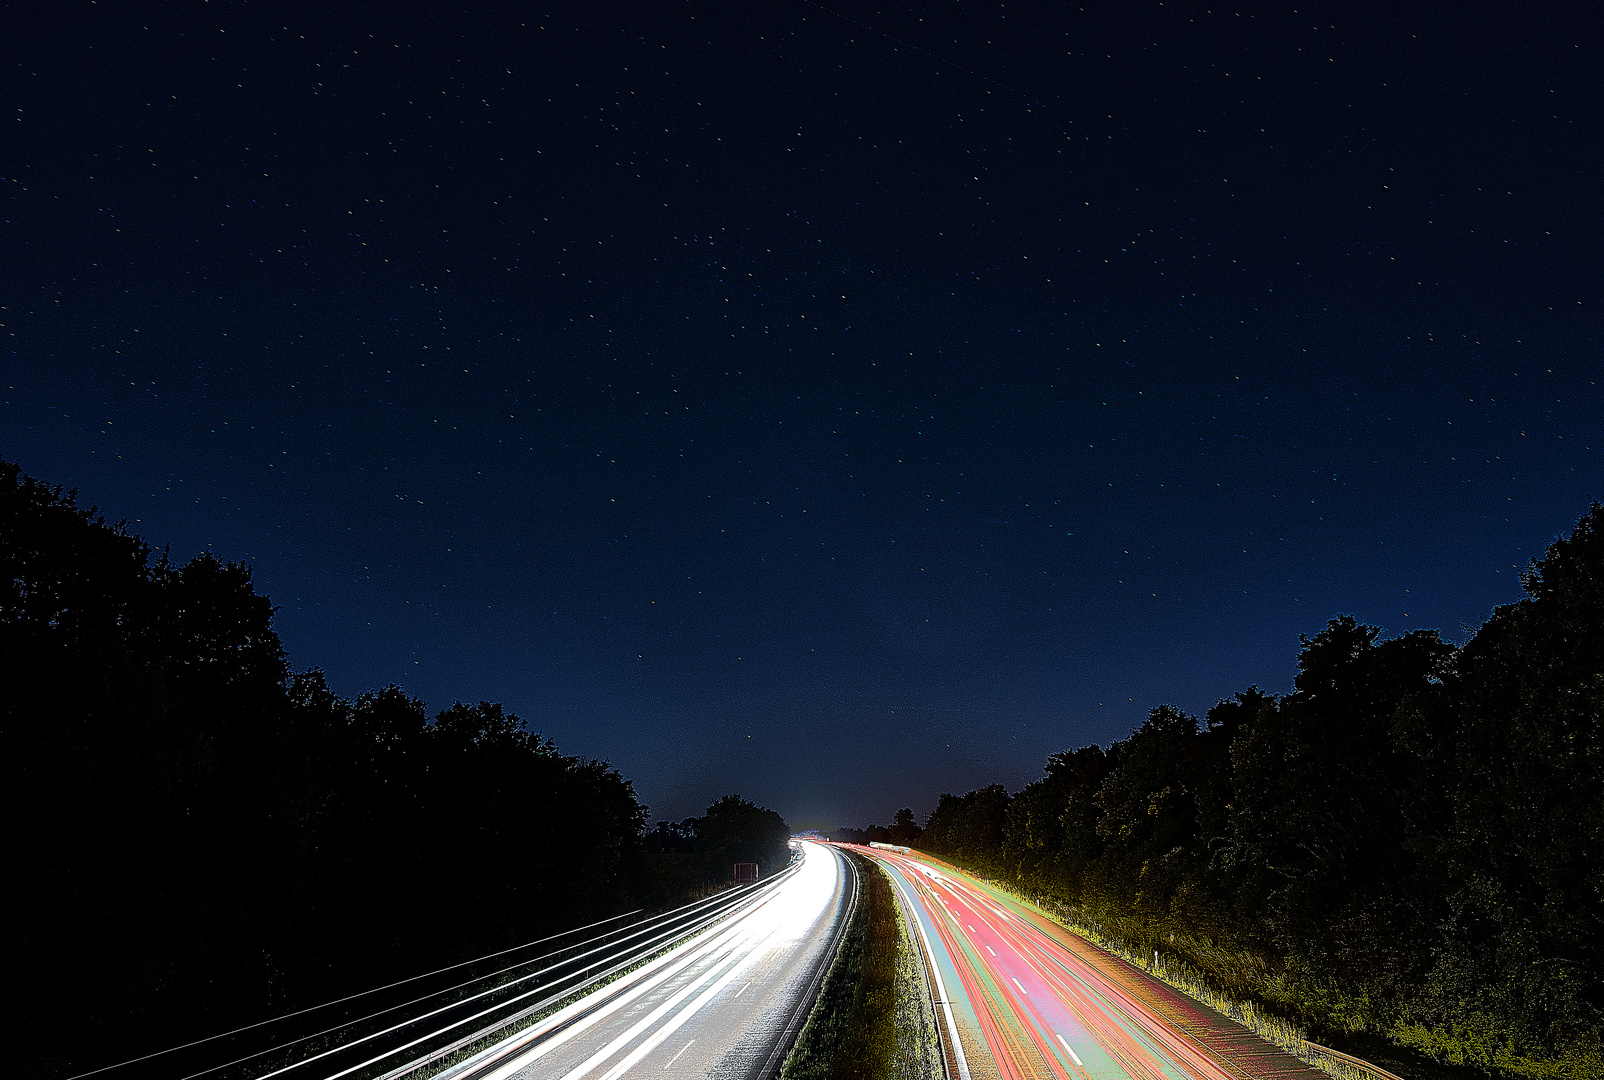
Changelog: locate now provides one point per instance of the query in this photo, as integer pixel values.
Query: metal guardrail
(1348, 1059)
(412, 1027)
(479, 1013)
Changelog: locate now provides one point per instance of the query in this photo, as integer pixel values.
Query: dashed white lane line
(687, 1046)
(724, 940)
(1022, 990)
(1073, 1056)
(991, 950)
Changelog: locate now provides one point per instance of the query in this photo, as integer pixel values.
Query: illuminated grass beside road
(872, 1020)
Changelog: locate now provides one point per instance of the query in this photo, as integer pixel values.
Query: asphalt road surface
(1020, 998)
(721, 1006)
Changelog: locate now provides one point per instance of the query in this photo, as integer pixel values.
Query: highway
(725, 1005)
(1020, 998)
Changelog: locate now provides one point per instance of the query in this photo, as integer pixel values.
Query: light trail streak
(956, 1043)
(627, 1025)
(1039, 1011)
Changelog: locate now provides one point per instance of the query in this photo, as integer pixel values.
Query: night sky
(836, 405)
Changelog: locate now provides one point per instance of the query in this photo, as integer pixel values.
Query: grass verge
(873, 1019)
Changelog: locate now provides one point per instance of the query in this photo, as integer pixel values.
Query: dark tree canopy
(697, 855)
(221, 840)
(733, 830)
(902, 830)
(745, 832)
(1410, 844)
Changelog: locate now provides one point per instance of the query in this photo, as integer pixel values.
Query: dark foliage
(902, 830)
(1411, 843)
(689, 857)
(872, 834)
(205, 839)
(969, 827)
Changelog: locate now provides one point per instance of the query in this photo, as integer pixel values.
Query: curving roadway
(1020, 998)
(725, 1005)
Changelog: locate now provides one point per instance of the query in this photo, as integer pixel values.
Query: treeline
(699, 853)
(902, 830)
(1409, 845)
(199, 837)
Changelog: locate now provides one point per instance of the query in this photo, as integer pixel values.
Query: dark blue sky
(838, 405)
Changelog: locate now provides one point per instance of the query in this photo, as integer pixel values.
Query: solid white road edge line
(941, 988)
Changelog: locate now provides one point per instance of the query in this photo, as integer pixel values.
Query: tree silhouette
(903, 828)
(221, 840)
(1411, 843)
(744, 832)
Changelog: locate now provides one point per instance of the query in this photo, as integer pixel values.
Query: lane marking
(755, 946)
(739, 992)
(972, 930)
(687, 1046)
(935, 970)
(1026, 948)
(991, 950)
(716, 953)
(697, 953)
(667, 1019)
(1073, 1056)
(719, 974)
